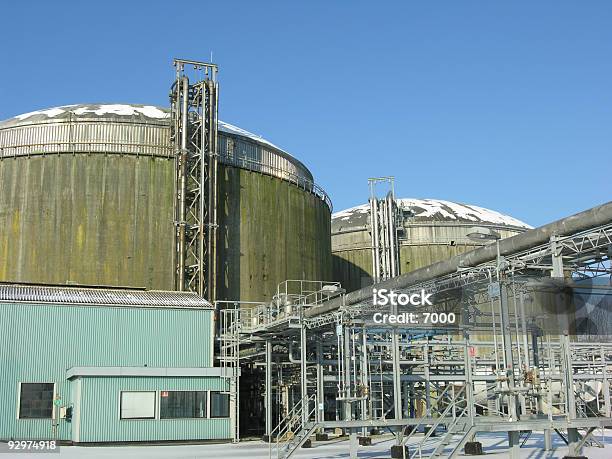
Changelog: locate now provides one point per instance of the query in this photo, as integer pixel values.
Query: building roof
(30, 293)
(427, 211)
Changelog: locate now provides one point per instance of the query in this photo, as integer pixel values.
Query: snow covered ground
(495, 446)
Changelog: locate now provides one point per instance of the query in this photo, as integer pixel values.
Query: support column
(514, 444)
(353, 443)
(268, 393)
(573, 438)
(547, 440)
(426, 372)
(469, 388)
(606, 384)
(564, 341)
(348, 415)
(365, 393)
(397, 388)
(320, 383)
(507, 349)
(303, 381)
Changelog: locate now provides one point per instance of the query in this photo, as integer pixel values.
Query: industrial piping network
(582, 221)
(447, 375)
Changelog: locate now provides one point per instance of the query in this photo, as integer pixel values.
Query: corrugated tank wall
(87, 219)
(270, 231)
(107, 220)
(423, 245)
(88, 199)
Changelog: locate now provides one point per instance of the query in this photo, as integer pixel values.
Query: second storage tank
(433, 230)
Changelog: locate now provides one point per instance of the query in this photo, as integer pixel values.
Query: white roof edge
(149, 111)
(201, 372)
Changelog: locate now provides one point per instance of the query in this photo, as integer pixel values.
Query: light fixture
(480, 233)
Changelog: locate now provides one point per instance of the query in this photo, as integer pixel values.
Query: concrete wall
(107, 220)
(270, 231)
(422, 246)
(86, 219)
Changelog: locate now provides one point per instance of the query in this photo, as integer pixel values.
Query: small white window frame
(155, 411)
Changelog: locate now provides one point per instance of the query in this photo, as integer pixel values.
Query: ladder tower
(194, 101)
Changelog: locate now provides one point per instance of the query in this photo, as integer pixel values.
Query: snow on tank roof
(118, 110)
(422, 210)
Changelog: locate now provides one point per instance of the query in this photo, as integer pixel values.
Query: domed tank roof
(140, 130)
(116, 112)
(429, 211)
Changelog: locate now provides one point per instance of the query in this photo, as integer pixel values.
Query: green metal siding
(40, 342)
(99, 412)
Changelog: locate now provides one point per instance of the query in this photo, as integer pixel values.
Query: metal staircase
(293, 431)
(456, 426)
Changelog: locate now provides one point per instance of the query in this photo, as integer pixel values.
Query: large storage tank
(433, 230)
(86, 197)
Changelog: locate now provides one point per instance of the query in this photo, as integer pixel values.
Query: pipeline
(576, 223)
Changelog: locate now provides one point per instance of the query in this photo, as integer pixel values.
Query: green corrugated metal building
(109, 365)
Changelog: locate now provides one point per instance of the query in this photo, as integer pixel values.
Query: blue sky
(507, 105)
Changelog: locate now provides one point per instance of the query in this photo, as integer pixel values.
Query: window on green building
(36, 400)
(219, 405)
(137, 405)
(182, 404)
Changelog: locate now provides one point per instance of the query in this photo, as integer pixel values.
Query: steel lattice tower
(194, 130)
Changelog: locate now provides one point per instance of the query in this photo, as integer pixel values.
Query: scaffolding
(194, 136)
(502, 367)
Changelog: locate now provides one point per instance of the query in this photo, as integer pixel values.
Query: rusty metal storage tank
(433, 230)
(86, 197)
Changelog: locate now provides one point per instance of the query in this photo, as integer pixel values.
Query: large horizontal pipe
(582, 221)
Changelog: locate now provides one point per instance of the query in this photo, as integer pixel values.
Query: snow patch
(231, 129)
(50, 112)
(429, 208)
(149, 111)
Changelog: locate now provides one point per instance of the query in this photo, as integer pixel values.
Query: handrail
(296, 179)
(293, 418)
(449, 432)
(433, 428)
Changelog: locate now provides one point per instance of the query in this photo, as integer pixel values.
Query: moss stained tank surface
(86, 197)
(270, 230)
(87, 219)
(432, 230)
